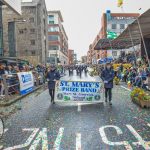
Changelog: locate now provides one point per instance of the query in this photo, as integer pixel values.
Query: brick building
(71, 56)
(57, 39)
(110, 22)
(14, 6)
(84, 59)
(25, 36)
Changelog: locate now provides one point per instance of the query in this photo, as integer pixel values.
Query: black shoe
(110, 103)
(106, 100)
(53, 102)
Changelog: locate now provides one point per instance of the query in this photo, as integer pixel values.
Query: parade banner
(26, 81)
(78, 91)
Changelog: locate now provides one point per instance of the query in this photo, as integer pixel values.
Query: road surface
(38, 125)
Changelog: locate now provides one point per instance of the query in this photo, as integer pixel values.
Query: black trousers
(52, 94)
(108, 92)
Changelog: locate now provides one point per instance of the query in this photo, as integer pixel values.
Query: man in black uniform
(52, 76)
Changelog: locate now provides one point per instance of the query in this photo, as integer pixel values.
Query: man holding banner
(52, 76)
(107, 77)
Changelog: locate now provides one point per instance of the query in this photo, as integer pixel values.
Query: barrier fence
(20, 83)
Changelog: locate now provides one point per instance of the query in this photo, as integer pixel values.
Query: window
(32, 31)
(53, 47)
(31, 20)
(32, 10)
(53, 55)
(53, 38)
(33, 52)
(122, 26)
(51, 19)
(114, 53)
(114, 26)
(32, 42)
(53, 29)
(21, 31)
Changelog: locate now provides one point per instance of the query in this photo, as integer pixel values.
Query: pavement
(38, 125)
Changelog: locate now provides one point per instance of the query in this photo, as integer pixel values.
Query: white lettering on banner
(28, 141)
(58, 139)
(139, 138)
(41, 136)
(78, 141)
(119, 131)
(78, 91)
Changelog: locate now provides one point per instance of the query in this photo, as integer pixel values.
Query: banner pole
(143, 41)
(130, 35)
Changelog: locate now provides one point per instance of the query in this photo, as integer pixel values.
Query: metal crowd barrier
(10, 85)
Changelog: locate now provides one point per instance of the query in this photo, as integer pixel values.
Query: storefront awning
(131, 36)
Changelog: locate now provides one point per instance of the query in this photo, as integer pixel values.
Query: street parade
(74, 75)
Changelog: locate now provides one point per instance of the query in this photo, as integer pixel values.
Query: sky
(82, 18)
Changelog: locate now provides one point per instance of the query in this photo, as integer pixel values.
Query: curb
(19, 98)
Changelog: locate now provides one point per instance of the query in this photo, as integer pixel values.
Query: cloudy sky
(82, 18)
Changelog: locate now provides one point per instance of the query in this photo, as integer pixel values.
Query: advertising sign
(26, 81)
(78, 91)
(13, 4)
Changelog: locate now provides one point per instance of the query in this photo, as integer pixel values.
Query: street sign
(111, 35)
(78, 91)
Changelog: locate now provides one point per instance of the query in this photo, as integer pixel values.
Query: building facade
(110, 23)
(84, 59)
(14, 6)
(117, 23)
(25, 36)
(71, 56)
(57, 39)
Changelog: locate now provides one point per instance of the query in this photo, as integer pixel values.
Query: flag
(120, 3)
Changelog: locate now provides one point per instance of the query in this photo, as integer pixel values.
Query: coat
(108, 75)
(51, 76)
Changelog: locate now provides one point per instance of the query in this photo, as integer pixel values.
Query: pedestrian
(107, 76)
(52, 76)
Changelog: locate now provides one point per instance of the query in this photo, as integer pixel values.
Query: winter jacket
(108, 75)
(52, 76)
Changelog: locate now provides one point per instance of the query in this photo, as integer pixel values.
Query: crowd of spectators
(137, 75)
(10, 73)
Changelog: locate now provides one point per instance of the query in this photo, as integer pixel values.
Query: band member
(52, 76)
(108, 76)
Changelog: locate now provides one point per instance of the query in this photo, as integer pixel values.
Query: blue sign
(26, 82)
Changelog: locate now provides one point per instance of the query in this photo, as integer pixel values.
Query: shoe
(110, 103)
(53, 102)
(106, 100)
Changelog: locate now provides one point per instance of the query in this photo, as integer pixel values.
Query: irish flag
(120, 3)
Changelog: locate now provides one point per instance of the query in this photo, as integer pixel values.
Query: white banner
(26, 81)
(78, 91)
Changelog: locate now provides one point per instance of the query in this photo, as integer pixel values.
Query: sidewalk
(15, 98)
